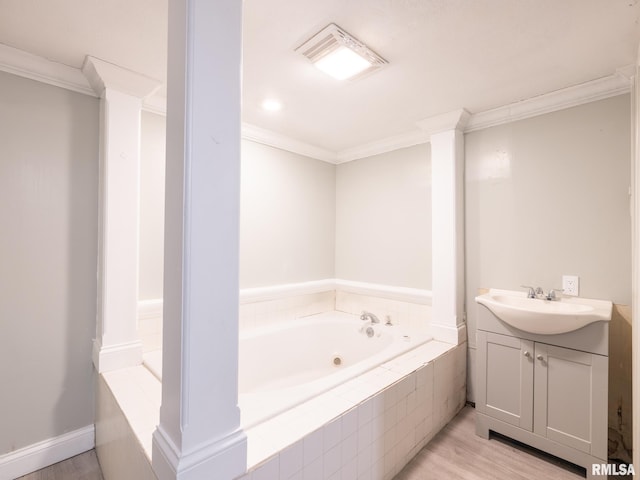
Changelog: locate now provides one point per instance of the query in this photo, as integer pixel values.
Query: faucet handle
(531, 293)
(552, 295)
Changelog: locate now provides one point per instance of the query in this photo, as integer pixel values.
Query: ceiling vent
(340, 55)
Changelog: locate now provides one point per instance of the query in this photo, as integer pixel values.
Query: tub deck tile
(139, 395)
(357, 404)
(391, 407)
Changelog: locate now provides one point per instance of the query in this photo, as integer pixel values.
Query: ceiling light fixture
(340, 55)
(271, 105)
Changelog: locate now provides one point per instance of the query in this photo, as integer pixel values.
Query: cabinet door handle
(527, 354)
(540, 357)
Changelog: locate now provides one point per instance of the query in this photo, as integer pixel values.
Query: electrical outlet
(571, 285)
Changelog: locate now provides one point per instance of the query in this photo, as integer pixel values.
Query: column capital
(104, 75)
(454, 120)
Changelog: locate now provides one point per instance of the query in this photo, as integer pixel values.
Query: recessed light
(271, 105)
(339, 54)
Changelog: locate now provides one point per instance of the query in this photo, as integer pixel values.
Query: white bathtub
(283, 365)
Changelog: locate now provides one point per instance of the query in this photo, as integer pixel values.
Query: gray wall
(383, 218)
(152, 165)
(287, 221)
(48, 209)
(548, 196)
(303, 219)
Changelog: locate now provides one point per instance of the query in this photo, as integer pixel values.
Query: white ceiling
(443, 54)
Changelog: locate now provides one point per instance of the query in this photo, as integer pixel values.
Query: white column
(199, 435)
(447, 216)
(121, 92)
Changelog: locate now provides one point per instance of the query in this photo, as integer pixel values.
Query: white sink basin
(544, 316)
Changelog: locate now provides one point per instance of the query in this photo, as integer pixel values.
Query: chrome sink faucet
(533, 292)
(539, 293)
(372, 318)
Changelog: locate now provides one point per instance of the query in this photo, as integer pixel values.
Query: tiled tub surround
(414, 315)
(408, 307)
(367, 428)
(260, 307)
(258, 312)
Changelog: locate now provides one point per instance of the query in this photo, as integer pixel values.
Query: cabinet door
(505, 378)
(571, 398)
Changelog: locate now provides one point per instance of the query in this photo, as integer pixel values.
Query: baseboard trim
(42, 454)
(223, 458)
(149, 309)
(449, 333)
(114, 357)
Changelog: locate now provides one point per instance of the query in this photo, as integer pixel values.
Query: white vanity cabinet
(548, 391)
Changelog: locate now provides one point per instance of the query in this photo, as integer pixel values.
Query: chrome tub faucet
(368, 315)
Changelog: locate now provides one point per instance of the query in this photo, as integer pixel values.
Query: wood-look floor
(81, 467)
(456, 453)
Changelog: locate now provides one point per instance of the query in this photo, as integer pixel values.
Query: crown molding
(27, 65)
(273, 139)
(454, 120)
(102, 75)
(89, 80)
(155, 103)
(599, 89)
(389, 144)
(617, 84)
(628, 71)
